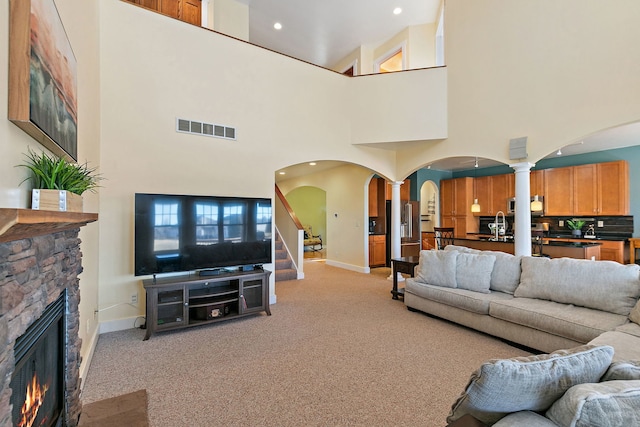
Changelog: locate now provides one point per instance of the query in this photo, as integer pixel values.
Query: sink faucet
(500, 229)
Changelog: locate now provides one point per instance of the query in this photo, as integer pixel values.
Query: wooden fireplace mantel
(18, 224)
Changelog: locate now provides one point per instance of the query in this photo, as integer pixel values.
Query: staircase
(284, 266)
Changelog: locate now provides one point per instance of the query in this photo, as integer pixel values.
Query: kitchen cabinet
(610, 250)
(536, 183)
(594, 189)
(185, 10)
(377, 250)
(614, 251)
(428, 240)
(493, 193)
(376, 197)
(405, 190)
(558, 191)
(456, 197)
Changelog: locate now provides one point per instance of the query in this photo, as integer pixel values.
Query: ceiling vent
(206, 129)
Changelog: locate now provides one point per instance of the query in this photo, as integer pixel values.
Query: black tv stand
(180, 302)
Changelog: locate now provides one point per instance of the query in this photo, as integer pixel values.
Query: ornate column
(522, 232)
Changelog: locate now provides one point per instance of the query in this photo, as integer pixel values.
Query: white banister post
(522, 232)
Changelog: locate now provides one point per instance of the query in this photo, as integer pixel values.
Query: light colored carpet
(337, 350)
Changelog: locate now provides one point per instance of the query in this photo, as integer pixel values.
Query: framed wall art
(43, 77)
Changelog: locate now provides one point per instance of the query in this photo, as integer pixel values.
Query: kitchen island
(580, 250)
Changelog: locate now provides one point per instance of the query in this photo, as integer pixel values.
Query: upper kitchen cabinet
(601, 188)
(558, 191)
(536, 183)
(493, 193)
(376, 197)
(456, 197)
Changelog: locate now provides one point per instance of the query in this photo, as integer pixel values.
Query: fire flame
(32, 402)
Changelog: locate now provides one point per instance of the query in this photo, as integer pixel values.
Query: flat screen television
(181, 233)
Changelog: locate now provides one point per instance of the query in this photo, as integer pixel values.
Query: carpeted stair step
(282, 254)
(286, 274)
(284, 266)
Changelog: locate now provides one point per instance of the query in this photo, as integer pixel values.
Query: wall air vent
(206, 129)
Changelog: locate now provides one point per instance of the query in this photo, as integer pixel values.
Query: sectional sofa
(584, 313)
(542, 303)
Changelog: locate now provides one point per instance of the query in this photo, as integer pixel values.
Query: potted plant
(57, 183)
(576, 226)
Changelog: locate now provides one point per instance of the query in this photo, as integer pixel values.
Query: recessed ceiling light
(277, 26)
(397, 11)
(283, 173)
(312, 164)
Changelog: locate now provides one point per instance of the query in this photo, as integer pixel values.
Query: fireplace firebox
(37, 383)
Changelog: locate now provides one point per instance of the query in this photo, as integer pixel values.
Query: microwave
(511, 206)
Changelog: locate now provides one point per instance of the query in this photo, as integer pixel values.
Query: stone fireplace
(40, 260)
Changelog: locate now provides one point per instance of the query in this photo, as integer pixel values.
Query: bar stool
(444, 236)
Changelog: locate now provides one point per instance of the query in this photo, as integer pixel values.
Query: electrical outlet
(561, 223)
(600, 223)
(134, 298)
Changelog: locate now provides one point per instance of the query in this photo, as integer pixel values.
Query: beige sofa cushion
(607, 404)
(531, 383)
(437, 268)
(476, 302)
(627, 347)
(603, 285)
(627, 370)
(634, 316)
(473, 271)
(579, 324)
(505, 276)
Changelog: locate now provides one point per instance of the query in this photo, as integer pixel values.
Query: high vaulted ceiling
(324, 32)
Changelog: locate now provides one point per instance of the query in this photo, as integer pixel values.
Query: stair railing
(291, 231)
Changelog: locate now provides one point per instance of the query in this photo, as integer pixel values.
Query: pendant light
(475, 207)
(536, 204)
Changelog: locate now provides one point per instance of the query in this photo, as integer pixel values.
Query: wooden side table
(405, 265)
(634, 243)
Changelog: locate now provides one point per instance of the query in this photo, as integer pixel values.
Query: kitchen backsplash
(612, 226)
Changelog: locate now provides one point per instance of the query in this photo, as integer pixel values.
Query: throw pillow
(608, 404)
(473, 271)
(506, 272)
(603, 285)
(629, 370)
(437, 268)
(531, 383)
(634, 316)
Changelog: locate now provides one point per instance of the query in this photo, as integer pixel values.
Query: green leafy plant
(51, 173)
(575, 224)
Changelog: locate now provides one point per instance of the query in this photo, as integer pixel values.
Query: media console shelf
(184, 301)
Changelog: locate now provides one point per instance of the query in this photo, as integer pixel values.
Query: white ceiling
(324, 32)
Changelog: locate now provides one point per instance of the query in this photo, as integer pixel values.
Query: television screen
(175, 233)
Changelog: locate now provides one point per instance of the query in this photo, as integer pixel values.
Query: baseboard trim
(346, 266)
(118, 324)
(86, 360)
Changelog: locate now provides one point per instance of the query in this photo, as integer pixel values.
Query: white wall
(231, 17)
(552, 71)
(515, 68)
(347, 192)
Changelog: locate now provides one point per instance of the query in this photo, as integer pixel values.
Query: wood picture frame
(42, 77)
